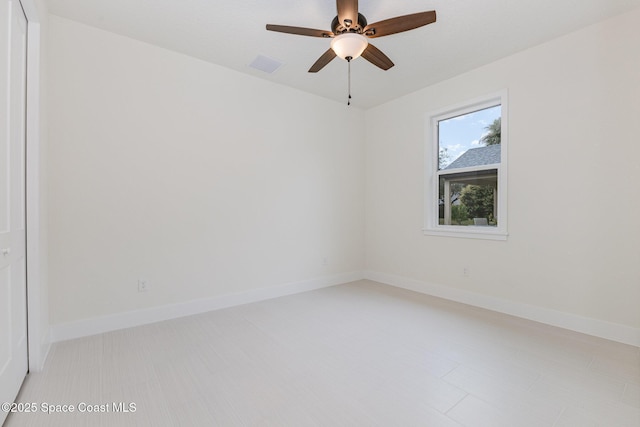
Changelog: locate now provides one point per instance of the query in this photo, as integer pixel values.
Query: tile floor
(361, 354)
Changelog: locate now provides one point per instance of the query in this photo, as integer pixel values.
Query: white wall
(573, 202)
(199, 179)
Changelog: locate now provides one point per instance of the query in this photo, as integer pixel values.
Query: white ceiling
(231, 33)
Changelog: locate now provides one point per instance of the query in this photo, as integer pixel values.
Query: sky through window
(461, 133)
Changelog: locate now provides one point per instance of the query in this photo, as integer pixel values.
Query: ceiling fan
(350, 33)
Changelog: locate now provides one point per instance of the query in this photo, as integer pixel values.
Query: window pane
(464, 140)
(469, 141)
(468, 198)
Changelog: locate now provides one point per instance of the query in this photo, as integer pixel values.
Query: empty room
(320, 213)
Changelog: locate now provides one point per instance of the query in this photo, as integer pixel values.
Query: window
(466, 170)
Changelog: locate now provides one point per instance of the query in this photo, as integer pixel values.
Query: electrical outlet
(143, 285)
(466, 272)
(325, 262)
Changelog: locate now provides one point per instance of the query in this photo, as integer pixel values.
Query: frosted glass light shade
(349, 44)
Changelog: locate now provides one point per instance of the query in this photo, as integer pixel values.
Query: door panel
(13, 303)
(5, 14)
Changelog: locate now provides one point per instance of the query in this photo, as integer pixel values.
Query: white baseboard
(98, 325)
(599, 328)
(38, 356)
(44, 353)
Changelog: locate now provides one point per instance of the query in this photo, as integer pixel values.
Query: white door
(13, 283)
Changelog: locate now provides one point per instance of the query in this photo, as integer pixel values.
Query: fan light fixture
(350, 32)
(349, 46)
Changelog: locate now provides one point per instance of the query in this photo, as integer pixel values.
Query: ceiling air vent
(266, 64)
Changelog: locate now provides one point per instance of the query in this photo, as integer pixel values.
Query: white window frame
(431, 223)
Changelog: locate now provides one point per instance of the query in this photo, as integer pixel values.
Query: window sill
(469, 232)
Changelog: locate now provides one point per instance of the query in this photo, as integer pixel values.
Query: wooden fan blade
(399, 24)
(299, 31)
(377, 58)
(347, 10)
(322, 61)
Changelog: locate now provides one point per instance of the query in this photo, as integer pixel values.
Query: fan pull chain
(349, 78)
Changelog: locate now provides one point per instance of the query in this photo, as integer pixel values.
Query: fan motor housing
(339, 28)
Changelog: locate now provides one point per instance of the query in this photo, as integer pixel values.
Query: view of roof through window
(473, 131)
